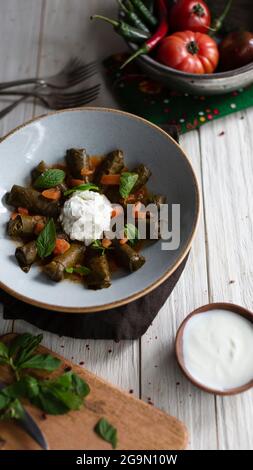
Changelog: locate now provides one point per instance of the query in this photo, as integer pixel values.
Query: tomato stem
(198, 10)
(192, 47)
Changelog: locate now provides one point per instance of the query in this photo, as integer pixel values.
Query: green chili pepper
(145, 12)
(124, 29)
(132, 17)
(150, 5)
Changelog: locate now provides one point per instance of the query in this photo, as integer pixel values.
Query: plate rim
(161, 279)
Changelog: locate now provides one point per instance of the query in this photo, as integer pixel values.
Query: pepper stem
(108, 20)
(122, 6)
(140, 51)
(218, 22)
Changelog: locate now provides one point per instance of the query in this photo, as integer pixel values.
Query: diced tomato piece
(61, 246)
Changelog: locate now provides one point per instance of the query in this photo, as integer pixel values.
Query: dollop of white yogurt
(218, 349)
(86, 215)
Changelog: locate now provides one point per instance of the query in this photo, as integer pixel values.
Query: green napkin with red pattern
(140, 95)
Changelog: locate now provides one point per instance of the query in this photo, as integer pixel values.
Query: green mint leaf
(131, 233)
(42, 362)
(97, 245)
(107, 432)
(82, 270)
(4, 353)
(127, 182)
(49, 179)
(45, 242)
(82, 187)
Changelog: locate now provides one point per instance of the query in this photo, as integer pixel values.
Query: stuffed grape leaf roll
(100, 276)
(23, 225)
(57, 267)
(26, 255)
(33, 201)
(127, 256)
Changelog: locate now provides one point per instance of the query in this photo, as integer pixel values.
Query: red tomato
(189, 52)
(236, 50)
(190, 15)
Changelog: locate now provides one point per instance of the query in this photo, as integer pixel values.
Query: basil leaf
(45, 242)
(49, 179)
(127, 182)
(47, 402)
(82, 187)
(80, 270)
(80, 386)
(14, 410)
(131, 233)
(41, 361)
(107, 432)
(4, 352)
(23, 346)
(4, 400)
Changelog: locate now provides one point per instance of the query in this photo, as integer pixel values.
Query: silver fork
(56, 100)
(71, 74)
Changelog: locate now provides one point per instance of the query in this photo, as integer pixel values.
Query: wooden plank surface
(40, 36)
(228, 194)
(138, 424)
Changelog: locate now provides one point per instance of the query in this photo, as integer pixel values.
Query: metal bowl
(240, 16)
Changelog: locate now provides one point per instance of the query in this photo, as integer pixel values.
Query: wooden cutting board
(139, 425)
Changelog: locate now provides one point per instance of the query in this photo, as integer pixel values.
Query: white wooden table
(37, 37)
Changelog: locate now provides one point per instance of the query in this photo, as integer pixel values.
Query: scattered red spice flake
(131, 390)
(232, 281)
(216, 111)
(43, 416)
(167, 110)
(81, 363)
(221, 133)
(210, 117)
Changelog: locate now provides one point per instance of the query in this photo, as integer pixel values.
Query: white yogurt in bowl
(217, 349)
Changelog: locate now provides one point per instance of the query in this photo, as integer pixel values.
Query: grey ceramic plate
(100, 131)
